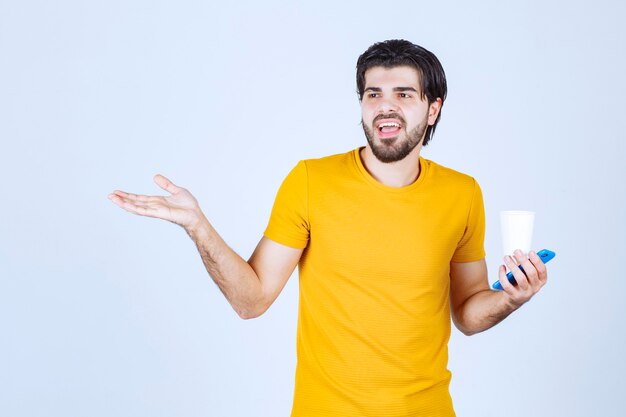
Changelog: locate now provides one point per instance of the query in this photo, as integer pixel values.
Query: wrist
(197, 226)
(510, 302)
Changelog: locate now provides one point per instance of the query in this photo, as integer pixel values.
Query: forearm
(232, 274)
(475, 307)
(484, 310)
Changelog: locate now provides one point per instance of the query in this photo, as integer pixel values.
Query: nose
(387, 105)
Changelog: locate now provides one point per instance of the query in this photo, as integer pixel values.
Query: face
(394, 115)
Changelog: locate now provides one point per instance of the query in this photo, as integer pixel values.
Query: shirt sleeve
(289, 221)
(471, 247)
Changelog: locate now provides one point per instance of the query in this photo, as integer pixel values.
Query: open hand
(180, 207)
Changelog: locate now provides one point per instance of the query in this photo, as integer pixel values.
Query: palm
(179, 207)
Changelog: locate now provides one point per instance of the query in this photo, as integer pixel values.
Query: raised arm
(250, 287)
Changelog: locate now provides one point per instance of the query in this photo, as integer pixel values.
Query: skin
(252, 286)
(380, 98)
(249, 286)
(474, 306)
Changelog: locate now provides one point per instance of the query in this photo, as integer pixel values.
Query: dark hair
(399, 52)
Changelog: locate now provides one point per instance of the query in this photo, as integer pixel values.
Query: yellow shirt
(374, 313)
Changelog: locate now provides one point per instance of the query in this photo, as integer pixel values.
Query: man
(388, 244)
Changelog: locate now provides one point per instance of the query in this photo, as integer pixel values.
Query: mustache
(389, 116)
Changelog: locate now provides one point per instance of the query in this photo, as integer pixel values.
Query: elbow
(251, 312)
(247, 315)
(464, 327)
(466, 330)
(469, 332)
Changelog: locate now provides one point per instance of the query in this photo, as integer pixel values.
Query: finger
(542, 271)
(522, 281)
(118, 198)
(504, 281)
(142, 209)
(134, 197)
(529, 269)
(166, 184)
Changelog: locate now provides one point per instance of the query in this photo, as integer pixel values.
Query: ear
(433, 110)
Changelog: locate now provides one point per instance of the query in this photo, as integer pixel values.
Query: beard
(396, 148)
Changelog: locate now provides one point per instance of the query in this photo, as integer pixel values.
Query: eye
(372, 95)
(405, 95)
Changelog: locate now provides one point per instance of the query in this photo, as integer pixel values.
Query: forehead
(403, 76)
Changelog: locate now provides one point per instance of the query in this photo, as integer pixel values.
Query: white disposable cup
(517, 230)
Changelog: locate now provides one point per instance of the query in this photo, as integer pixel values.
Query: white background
(103, 313)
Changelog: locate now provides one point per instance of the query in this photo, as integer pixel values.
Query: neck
(394, 174)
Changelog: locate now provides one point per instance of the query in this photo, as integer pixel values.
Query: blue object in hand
(545, 255)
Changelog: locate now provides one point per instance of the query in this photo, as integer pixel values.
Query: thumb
(166, 184)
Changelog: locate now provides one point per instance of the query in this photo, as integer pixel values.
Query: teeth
(388, 124)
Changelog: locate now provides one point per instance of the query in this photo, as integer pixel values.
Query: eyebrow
(378, 89)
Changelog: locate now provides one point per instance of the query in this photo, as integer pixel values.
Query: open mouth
(388, 129)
